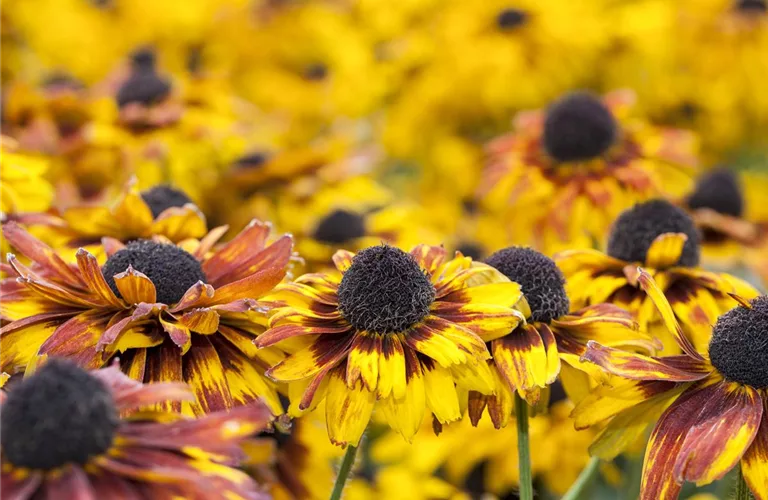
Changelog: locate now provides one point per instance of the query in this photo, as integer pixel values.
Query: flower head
(66, 429)
(664, 240)
(710, 402)
(403, 329)
(566, 172)
(170, 313)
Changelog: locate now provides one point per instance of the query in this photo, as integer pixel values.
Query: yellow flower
(709, 403)
(663, 239)
(23, 187)
(71, 432)
(401, 331)
(527, 358)
(563, 175)
(169, 313)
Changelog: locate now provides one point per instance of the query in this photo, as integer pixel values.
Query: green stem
(742, 490)
(523, 449)
(344, 470)
(584, 480)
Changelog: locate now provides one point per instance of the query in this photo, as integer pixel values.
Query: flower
(727, 208)
(527, 358)
(710, 402)
(71, 433)
(664, 240)
(403, 329)
(170, 314)
(159, 211)
(564, 174)
(23, 188)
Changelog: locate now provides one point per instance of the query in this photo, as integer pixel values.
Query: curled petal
(135, 287)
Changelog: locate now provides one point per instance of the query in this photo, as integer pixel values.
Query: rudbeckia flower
(159, 211)
(401, 329)
(663, 240)
(69, 433)
(170, 314)
(728, 209)
(23, 187)
(710, 402)
(527, 358)
(565, 173)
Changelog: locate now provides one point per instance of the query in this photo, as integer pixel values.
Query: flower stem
(583, 481)
(344, 470)
(742, 490)
(523, 449)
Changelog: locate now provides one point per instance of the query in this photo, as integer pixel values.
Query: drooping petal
(726, 425)
(363, 360)
(659, 482)
(347, 411)
(205, 375)
(522, 358)
(440, 392)
(327, 350)
(405, 415)
(21, 339)
(71, 484)
(640, 367)
(39, 252)
(753, 464)
(392, 378)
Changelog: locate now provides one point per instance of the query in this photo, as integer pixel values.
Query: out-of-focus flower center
(163, 197)
(340, 226)
(539, 277)
(471, 249)
(511, 18)
(578, 127)
(718, 190)
(739, 344)
(316, 72)
(635, 229)
(385, 291)
(171, 269)
(251, 160)
(144, 86)
(752, 6)
(60, 415)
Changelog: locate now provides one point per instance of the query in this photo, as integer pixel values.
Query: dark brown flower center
(511, 18)
(144, 86)
(163, 197)
(635, 229)
(61, 415)
(718, 190)
(540, 279)
(339, 227)
(385, 291)
(739, 345)
(172, 270)
(752, 6)
(578, 127)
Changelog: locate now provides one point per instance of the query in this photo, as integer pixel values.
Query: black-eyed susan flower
(710, 402)
(159, 211)
(663, 239)
(565, 173)
(69, 433)
(402, 329)
(170, 314)
(527, 359)
(727, 208)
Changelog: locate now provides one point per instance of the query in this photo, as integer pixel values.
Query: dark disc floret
(510, 18)
(540, 279)
(340, 226)
(144, 86)
(471, 249)
(635, 229)
(385, 291)
(163, 197)
(752, 6)
(739, 345)
(171, 269)
(578, 127)
(60, 415)
(718, 190)
(252, 160)
(316, 72)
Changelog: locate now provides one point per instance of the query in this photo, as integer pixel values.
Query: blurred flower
(170, 313)
(23, 188)
(527, 358)
(710, 402)
(403, 329)
(68, 432)
(663, 239)
(564, 174)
